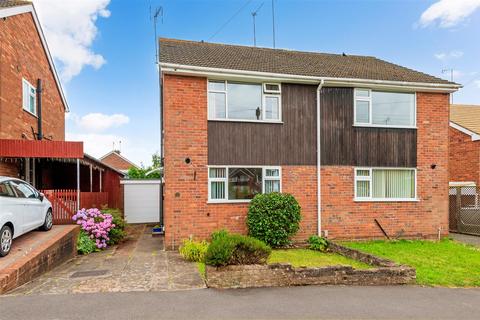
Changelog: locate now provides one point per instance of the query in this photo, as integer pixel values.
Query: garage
(142, 201)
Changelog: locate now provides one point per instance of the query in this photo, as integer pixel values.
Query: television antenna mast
(254, 14)
(154, 15)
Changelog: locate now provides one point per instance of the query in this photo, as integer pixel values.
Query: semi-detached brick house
(355, 139)
(464, 136)
(32, 120)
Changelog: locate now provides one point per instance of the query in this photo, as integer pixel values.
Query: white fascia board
(171, 68)
(29, 8)
(121, 157)
(475, 136)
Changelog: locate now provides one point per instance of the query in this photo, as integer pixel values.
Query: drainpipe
(319, 158)
(39, 110)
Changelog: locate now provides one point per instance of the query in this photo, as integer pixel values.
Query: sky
(104, 50)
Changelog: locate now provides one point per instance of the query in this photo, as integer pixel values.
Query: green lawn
(310, 258)
(445, 263)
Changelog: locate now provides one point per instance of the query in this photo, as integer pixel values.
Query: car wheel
(48, 223)
(6, 236)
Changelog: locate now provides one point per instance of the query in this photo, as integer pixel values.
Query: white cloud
(99, 122)
(95, 144)
(448, 13)
(477, 83)
(70, 30)
(448, 55)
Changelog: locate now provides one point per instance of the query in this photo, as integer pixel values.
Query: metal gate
(465, 210)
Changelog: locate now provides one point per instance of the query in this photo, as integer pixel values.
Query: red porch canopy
(40, 149)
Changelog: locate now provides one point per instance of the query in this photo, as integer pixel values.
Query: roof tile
(235, 57)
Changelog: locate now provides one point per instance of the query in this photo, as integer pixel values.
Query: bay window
(241, 183)
(395, 184)
(384, 109)
(230, 100)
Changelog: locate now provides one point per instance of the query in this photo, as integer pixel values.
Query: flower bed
(383, 272)
(98, 229)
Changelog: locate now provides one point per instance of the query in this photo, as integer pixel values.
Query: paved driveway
(139, 264)
(466, 238)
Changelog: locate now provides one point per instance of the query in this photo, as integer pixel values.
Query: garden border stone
(386, 272)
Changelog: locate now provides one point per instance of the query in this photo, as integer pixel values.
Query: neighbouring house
(464, 136)
(32, 122)
(357, 140)
(115, 160)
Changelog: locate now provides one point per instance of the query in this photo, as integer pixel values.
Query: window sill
(358, 125)
(386, 200)
(30, 113)
(250, 121)
(228, 201)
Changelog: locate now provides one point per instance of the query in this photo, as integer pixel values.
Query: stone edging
(277, 275)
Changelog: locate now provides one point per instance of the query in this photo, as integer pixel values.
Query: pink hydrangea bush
(96, 224)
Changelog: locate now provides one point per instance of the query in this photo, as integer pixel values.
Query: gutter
(347, 82)
(319, 159)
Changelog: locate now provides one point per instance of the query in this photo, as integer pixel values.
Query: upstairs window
(29, 97)
(242, 101)
(384, 109)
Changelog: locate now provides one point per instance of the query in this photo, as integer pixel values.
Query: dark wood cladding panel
(290, 143)
(344, 144)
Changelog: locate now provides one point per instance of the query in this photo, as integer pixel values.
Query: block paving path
(138, 264)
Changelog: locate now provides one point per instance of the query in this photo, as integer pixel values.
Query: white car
(22, 209)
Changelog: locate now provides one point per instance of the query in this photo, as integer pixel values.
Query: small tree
(273, 218)
(141, 173)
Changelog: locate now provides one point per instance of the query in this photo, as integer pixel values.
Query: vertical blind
(393, 183)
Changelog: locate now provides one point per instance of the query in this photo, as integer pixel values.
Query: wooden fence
(64, 203)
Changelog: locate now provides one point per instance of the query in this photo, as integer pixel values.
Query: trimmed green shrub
(219, 234)
(193, 250)
(117, 233)
(85, 244)
(273, 218)
(228, 249)
(317, 243)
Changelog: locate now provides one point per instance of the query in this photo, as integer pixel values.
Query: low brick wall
(46, 256)
(280, 275)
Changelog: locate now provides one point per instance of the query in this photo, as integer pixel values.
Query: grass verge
(310, 258)
(444, 263)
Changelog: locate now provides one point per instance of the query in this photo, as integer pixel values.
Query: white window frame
(225, 180)
(27, 107)
(370, 198)
(265, 90)
(264, 93)
(370, 110)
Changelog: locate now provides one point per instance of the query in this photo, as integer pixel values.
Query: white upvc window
(244, 101)
(385, 184)
(242, 183)
(384, 109)
(29, 97)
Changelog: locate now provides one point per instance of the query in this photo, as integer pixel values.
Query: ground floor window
(385, 184)
(241, 183)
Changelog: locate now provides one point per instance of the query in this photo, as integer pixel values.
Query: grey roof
(235, 57)
(13, 3)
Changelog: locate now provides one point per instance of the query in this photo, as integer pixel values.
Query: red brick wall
(115, 161)
(464, 157)
(9, 169)
(22, 56)
(187, 213)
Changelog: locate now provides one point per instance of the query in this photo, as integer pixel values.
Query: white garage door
(142, 201)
